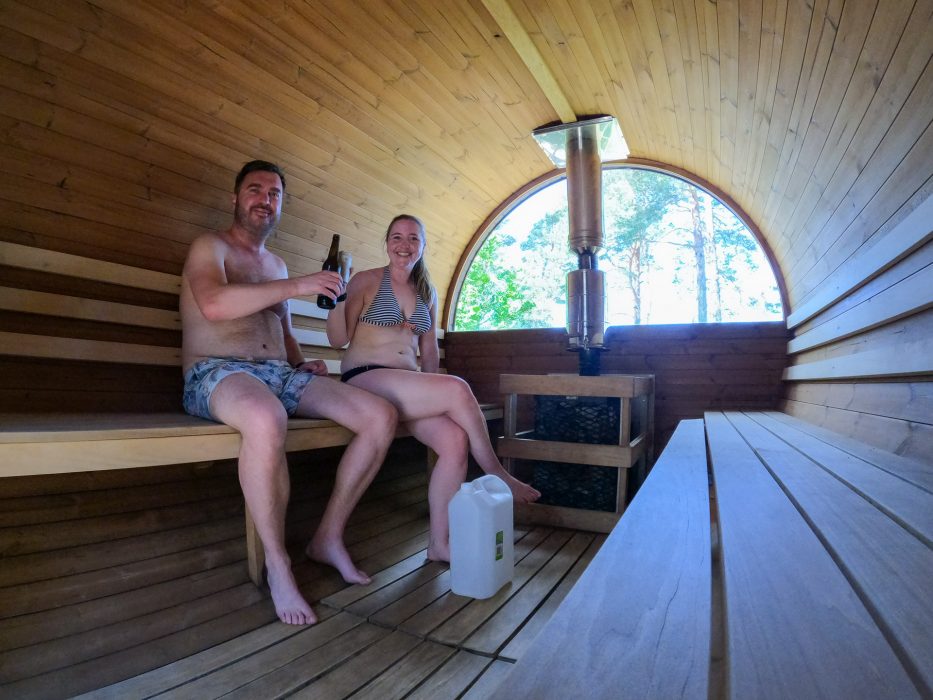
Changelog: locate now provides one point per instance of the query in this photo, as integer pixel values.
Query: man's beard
(242, 217)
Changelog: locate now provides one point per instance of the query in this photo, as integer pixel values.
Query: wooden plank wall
(48, 384)
(122, 124)
(862, 356)
(696, 366)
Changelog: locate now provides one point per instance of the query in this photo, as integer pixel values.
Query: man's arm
(293, 352)
(220, 300)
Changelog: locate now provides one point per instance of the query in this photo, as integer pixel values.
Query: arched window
(672, 253)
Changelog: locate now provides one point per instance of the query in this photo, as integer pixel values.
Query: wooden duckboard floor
(404, 636)
(133, 584)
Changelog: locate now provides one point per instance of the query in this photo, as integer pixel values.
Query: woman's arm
(427, 345)
(341, 321)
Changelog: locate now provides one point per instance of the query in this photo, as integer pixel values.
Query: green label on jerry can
(500, 538)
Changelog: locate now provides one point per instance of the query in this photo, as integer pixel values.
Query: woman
(388, 318)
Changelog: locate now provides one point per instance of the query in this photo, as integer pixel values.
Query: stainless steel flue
(586, 297)
(584, 188)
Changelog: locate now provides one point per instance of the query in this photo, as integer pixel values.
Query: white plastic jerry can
(482, 556)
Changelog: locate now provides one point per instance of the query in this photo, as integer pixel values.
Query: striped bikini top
(384, 310)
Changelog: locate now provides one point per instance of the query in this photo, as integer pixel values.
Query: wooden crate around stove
(635, 392)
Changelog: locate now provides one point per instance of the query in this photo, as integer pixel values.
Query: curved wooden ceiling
(127, 120)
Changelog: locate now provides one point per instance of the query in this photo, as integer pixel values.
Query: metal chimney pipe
(584, 189)
(577, 147)
(586, 299)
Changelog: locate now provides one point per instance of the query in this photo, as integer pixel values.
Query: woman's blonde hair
(422, 277)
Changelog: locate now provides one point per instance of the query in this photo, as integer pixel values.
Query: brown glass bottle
(331, 262)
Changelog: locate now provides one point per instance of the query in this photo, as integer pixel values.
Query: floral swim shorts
(283, 380)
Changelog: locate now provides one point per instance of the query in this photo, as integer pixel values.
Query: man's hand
(317, 367)
(325, 282)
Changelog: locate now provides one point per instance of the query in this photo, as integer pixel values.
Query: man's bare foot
(437, 552)
(290, 605)
(335, 554)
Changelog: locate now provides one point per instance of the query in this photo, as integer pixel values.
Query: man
(243, 367)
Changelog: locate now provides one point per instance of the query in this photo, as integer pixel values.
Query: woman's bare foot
(290, 605)
(522, 492)
(438, 552)
(335, 554)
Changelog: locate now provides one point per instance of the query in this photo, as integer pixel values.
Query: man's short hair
(255, 165)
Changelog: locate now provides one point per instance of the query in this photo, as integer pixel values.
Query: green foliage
(492, 296)
(672, 254)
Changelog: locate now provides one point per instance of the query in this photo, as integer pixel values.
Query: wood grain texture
(639, 617)
(878, 530)
(768, 546)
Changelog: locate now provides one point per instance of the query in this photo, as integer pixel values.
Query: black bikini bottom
(350, 373)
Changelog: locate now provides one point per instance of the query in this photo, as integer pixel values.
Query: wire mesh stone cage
(582, 419)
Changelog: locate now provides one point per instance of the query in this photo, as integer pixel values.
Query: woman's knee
(458, 390)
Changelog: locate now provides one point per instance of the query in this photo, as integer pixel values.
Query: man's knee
(386, 417)
(267, 421)
(382, 417)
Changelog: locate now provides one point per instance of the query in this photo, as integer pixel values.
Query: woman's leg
(450, 444)
(419, 395)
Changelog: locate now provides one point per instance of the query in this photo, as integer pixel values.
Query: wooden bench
(826, 559)
(82, 321)
(637, 623)
(814, 580)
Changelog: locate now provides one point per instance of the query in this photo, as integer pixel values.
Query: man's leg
(450, 444)
(246, 404)
(373, 419)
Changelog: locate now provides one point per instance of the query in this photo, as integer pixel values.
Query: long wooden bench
(637, 623)
(827, 563)
(814, 581)
(81, 322)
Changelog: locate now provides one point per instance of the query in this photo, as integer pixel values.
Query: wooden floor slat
(439, 609)
(361, 669)
(498, 629)
(450, 680)
(458, 627)
(193, 667)
(426, 574)
(490, 679)
(313, 668)
(407, 673)
(533, 625)
(257, 667)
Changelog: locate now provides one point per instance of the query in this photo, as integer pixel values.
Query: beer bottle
(331, 262)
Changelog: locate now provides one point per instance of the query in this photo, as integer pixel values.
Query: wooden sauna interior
(123, 123)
